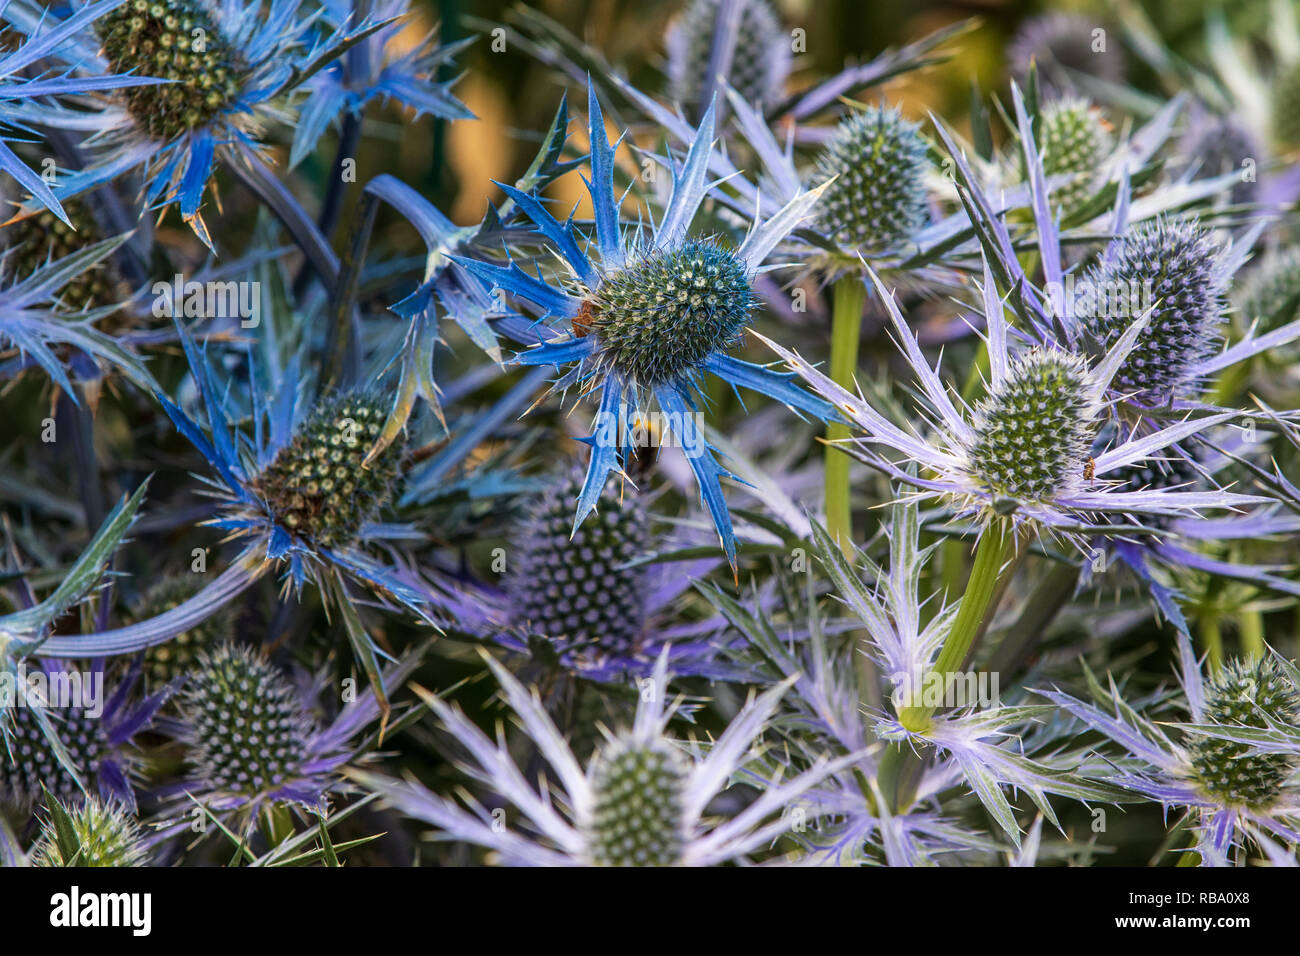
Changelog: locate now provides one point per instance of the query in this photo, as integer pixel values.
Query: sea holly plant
(228, 69)
(656, 310)
(639, 802)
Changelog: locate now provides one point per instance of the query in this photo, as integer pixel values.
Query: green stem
(996, 544)
(1250, 626)
(849, 297)
(1212, 638)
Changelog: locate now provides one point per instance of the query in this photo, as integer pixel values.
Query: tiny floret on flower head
(1168, 264)
(176, 40)
(246, 725)
(105, 834)
(758, 65)
(658, 319)
(878, 197)
(1073, 139)
(638, 813)
(1243, 695)
(1032, 433)
(317, 486)
(574, 585)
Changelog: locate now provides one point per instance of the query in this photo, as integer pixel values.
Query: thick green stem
(996, 545)
(1212, 639)
(1250, 626)
(850, 295)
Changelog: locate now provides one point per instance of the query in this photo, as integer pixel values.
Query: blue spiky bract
(317, 486)
(638, 805)
(105, 835)
(878, 198)
(574, 586)
(1243, 695)
(1168, 266)
(758, 65)
(248, 732)
(660, 318)
(1033, 431)
(177, 40)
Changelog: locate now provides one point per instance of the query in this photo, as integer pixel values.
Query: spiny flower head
(759, 62)
(1073, 139)
(1031, 435)
(43, 237)
(1270, 293)
(317, 485)
(1057, 42)
(1243, 695)
(658, 319)
(164, 663)
(1170, 264)
(574, 585)
(878, 198)
(1220, 144)
(31, 762)
(105, 834)
(638, 812)
(177, 40)
(247, 729)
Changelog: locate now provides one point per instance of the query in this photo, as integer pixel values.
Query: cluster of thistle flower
(721, 645)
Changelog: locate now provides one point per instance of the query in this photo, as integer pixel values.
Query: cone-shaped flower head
(759, 62)
(43, 237)
(878, 198)
(1170, 265)
(658, 319)
(1270, 293)
(164, 663)
(1072, 139)
(575, 585)
(638, 806)
(317, 486)
(1244, 695)
(1220, 144)
(247, 729)
(1032, 433)
(177, 40)
(1060, 43)
(32, 761)
(105, 834)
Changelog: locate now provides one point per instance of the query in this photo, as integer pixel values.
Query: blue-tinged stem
(849, 297)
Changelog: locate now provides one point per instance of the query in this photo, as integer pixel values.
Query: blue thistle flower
(652, 316)
(1270, 293)
(77, 750)
(741, 40)
(1232, 768)
(228, 64)
(640, 802)
(878, 199)
(1170, 267)
(253, 741)
(1061, 46)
